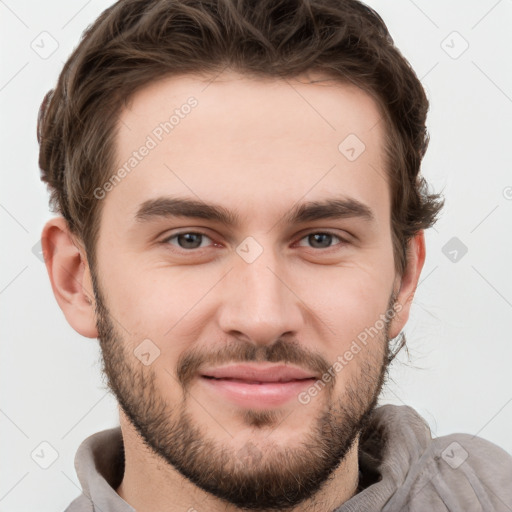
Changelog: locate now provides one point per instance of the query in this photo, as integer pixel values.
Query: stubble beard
(258, 476)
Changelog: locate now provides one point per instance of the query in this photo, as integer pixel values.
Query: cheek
(357, 342)
(158, 302)
(348, 299)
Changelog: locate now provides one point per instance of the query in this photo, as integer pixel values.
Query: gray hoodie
(401, 469)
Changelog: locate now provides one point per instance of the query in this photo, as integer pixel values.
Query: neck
(150, 484)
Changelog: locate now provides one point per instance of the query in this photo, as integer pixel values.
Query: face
(245, 279)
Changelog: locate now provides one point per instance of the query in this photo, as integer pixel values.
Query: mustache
(281, 351)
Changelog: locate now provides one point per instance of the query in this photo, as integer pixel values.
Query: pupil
(324, 236)
(190, 243)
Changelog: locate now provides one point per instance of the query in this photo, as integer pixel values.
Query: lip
(258, 373)
(256, 386)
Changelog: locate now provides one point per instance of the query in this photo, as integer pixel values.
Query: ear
(70, 276)
(407, 283)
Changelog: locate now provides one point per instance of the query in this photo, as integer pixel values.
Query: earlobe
(69, 274)
(408, 283)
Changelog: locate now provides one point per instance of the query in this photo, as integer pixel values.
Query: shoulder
(475, 458)
(453, 472)
(461, 471)
(80, 504)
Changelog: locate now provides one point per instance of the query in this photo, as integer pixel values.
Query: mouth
(257, 386)
(248, 381)
(258, 373)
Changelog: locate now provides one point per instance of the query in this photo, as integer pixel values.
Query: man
(242, 227)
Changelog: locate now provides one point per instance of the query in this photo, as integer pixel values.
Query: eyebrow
(167, 207)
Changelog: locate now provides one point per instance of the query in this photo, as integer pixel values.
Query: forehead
(245, 141)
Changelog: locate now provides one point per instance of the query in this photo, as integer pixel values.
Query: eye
(190, 240)
(322, 240)
(187, 240)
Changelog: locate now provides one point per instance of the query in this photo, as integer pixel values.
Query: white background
(459, 376)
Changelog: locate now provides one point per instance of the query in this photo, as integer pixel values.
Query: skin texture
(257, 148)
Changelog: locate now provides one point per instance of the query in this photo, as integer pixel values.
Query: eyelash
(342, 242)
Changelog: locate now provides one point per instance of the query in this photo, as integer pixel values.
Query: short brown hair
(135, 42)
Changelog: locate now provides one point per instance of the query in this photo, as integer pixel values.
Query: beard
(257, 476)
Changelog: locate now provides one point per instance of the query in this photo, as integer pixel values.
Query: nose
(258, 300)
